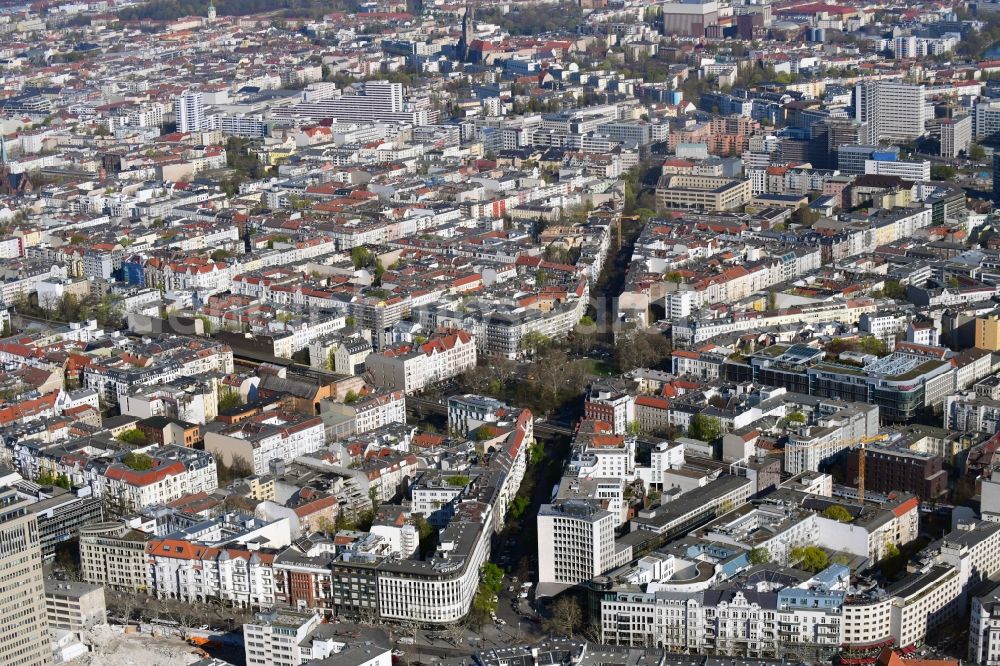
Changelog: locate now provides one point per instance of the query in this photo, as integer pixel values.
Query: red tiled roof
(145, 478)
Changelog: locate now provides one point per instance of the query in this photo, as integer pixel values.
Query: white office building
(377, 100)
(576, 542)
(189, 112)
(986, 120)
(894, 111)
(904, 47)
(912, 171)
(956, 136)
(984, 629)
(275, 639)
(243, 125)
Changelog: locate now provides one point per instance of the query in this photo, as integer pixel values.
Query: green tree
(564, 17)
(805, 216)
(362, 257)
(705, 428)
(364, 520)
(759, 556)
(350, 397)
(108, 312)
(220, 254)
(458, 481)
(797, 417)
(536, 451)
(484, 604)
(491, 577)
(872, 345)
(484, 433)
(893, 289)
(325, 525)
(229, 399)
(345, 521)
(519, 506)
(533, 343)
(644, 215)
(976, 152)
(132, 437)
(841, 558)
(140, 462)
(810, 558)
(838, 513)
(942, 172)
(482, 607)
(68, 308)
(641, 349)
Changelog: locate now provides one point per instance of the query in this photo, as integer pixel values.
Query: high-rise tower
(189, 112)
(468, 32)
(894, 111)
(24, 629)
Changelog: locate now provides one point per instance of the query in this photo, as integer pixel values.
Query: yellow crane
(861, 461)
(860, 443)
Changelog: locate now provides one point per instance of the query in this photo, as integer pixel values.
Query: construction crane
(860, 443)
(618, 226)
(861, 461)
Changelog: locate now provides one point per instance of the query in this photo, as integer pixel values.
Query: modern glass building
(900, 384)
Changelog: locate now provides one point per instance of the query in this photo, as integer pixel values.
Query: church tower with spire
(468, 32)
(211, 11)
